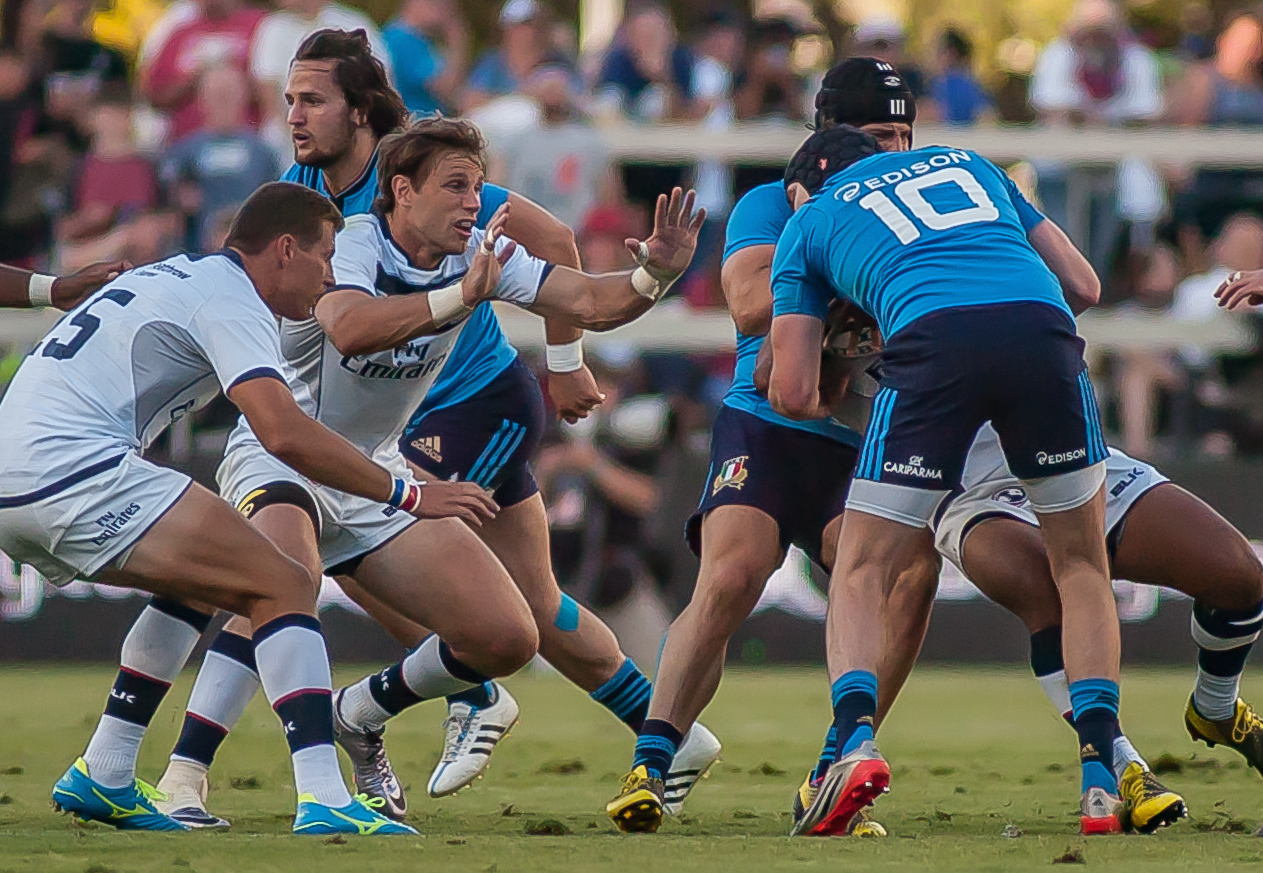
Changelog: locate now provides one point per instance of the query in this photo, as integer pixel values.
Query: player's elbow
(352, 340)
(752, 320)
(790, 400)
(280, 441)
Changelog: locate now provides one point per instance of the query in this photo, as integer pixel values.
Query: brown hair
(413, 152)
(361, 76)
(280, 208)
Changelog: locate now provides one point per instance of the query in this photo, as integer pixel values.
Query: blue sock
(828, 754)
(656, 746)
(1095, 706)
(626, 694)
(479, 697)
(854, 710)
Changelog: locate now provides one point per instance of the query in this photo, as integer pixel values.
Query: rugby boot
(1243, 732)
(185, 787)
(371, 769)
(317, 819)
(697, 753)
(1100, 813)
(638, 806)
(1147, 803)
(851, 783)
(861, 825)
(472, 735)
(130, 808)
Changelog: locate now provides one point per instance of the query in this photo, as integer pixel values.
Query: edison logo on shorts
(1045, 459)
(732, 474)
(113, 522)
(914, 468)
(430, 447)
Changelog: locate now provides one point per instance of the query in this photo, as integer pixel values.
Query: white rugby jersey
(156, 343)
(368, 398)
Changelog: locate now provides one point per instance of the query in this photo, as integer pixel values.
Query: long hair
(361, 76)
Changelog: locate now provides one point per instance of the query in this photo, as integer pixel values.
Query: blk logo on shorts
(732, 474)
(1127, 481)
(430, 447)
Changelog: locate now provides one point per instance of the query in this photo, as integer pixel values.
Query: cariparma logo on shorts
(732, 474)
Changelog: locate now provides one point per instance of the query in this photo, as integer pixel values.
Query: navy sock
(656, 747)
(390, 691)
(828, 754)
(1095, 703)
(1224, 639)
(203, 732)
(479, 697)
(854, 709)
(626, 694)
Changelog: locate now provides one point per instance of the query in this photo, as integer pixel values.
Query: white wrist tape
(448, 304)
(644, 283)
(40, 289)
(565, 358)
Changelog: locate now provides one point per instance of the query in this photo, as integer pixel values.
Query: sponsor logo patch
(112, 523)
(915, 468)
(1127, 481)
(431, 447)
(732, 474)
(1010, 496)
(1044, 458)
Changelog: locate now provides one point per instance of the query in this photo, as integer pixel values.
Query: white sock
(1216, 696)
(1125, 753)
(294, 669)
(358, 710)
(111, 753)
(422, 675)
(1058, 691)
(426, 674)
(221, 693)
(154, 651)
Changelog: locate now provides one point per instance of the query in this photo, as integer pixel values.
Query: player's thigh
(439, 574)
(518, 536)
(204, 550)
(740, 549)
(1074, 538)
(873, 543)
(1005, 558)
(1170, 537)
(407, 633)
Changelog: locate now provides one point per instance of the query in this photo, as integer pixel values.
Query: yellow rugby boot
(638, 807)
(1243, 732)
(1147, 803)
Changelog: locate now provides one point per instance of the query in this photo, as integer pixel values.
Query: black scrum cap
(861, 91)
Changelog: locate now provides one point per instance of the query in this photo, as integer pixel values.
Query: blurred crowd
(133, 128)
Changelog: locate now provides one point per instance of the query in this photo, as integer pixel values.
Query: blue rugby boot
(129, 808)
(356, 817)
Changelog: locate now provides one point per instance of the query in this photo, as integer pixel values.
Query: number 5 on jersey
(87, 323)
(909, 194)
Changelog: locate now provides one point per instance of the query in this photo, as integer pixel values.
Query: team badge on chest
(732, 474)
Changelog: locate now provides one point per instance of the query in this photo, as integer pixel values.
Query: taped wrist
(564, 358)
(448, 304)
(39, 290)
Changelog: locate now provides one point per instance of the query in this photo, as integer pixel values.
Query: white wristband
(565, 358)
(646, 285)
(40, 289)
(447, 304)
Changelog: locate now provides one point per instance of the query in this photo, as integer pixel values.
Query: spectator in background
(277, 40)
(647, 75)
(219, 35)
(562, 165)
(74, 67)
(216, 168)
(115, 190)
(884, 38)
(429, 48)
(768, 86)
(523, 47)
(1197, 26)
(957, 95)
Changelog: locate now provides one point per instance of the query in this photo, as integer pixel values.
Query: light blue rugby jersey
(904, 234)
(482, 352)
(758, 219)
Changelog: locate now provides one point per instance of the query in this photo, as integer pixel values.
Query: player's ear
(401, 187)
(286, 248)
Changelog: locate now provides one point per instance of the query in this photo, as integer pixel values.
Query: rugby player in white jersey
(77, 500)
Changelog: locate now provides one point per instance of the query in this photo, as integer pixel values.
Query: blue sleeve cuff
(256, 373)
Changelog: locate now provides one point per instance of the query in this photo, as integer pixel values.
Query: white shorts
(350, 526)
(1126, 480)
(88, 525)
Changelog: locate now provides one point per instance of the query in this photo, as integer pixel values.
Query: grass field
(972, 752)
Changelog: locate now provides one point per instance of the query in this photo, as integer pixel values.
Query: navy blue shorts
(797, 477)
(1018, 365)
(488, 439)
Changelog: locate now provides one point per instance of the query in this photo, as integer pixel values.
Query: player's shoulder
(758, 218)
(363, 228)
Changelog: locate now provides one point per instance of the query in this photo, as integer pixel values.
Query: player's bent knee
(498, 648)
(728, 591)
(1065, 491)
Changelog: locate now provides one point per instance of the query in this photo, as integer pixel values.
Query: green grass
(972, 751)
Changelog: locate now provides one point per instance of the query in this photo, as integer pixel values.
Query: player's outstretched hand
(1242, 287)
(669, 249)
(464, 500)
(70, 291)
(480, 282)
(574, 394)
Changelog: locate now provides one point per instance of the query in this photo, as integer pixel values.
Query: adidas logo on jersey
(430, 447)
(1061, 457)
(913, 468)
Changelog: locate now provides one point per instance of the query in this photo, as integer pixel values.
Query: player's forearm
(591, 302)
(794, 386)
(377, 324)
(1079, 282)
(325, 457)
(15, 287)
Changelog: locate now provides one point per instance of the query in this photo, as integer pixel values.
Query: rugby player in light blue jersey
(480, 422)
(933, 245)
